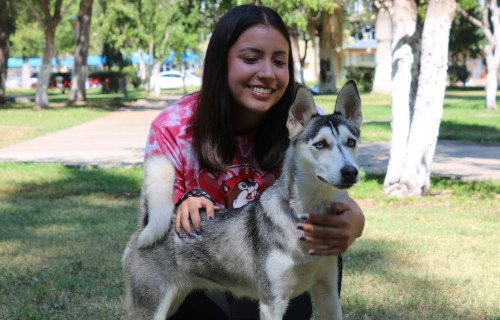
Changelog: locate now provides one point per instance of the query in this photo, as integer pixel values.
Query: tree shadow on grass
(397, 292)
(61, 242)
(452, 130)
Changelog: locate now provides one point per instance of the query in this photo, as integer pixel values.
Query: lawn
(464, 116)
(63, 231)
(20, 121)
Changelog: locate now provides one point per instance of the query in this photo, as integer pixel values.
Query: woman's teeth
(261, 90)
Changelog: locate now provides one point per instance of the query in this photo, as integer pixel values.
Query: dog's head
(327, 145)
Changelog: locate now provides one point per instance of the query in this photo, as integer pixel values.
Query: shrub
(362, 75)
(458, 73)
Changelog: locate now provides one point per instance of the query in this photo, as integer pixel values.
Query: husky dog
(253, 251)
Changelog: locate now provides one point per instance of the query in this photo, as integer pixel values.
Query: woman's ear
(301, 111)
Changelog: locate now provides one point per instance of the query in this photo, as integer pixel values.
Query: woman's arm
(333, 233)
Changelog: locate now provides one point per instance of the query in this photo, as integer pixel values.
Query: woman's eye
(280, 63)
(351, 143)
(320, 145)
(250, 60)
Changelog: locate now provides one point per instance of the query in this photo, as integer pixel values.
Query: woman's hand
(333, 233)
(189, 210)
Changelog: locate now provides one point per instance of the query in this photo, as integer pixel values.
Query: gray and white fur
(253, 251)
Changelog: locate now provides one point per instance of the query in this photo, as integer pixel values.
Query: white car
(173, 79)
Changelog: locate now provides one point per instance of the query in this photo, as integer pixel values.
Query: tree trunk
(80, 69)
(149, 87)
(142, 68)
(4, 56)
(328, 44)
(383, 62)
(424, 129)
(25, 74)
(42, 98)
(491, 77)
(154, 73)
(299, 74)
(404, 67)
(491, 49)
(50, 25)
(491, 90)
(6, 28)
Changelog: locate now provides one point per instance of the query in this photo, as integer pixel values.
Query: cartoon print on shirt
(239, 189)
(240, 185)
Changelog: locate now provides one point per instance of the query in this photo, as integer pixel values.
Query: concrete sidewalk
(119, 139)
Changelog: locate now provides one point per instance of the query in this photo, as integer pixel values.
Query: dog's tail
(157, 193)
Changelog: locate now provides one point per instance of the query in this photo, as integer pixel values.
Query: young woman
(227, 143)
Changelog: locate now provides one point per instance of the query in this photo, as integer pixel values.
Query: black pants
(199, 306)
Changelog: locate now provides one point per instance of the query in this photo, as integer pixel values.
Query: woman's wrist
(193, 193)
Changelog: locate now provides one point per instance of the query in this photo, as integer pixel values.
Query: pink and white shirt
(171, 136)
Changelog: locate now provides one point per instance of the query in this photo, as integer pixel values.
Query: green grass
(63, 231)
(464, 117)
(20, 121)
(26, 123)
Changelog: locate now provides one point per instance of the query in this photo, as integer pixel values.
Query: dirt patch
(13, 134)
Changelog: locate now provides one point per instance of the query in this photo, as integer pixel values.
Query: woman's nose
(266, 70)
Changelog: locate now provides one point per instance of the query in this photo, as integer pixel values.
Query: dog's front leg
(275, 285)
(324, 294)
(272, 309)
(168, 297)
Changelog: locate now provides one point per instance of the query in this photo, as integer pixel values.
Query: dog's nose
(349, 172)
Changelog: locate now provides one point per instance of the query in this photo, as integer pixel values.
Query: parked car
(173, 79)
(13, 82)
(61, 80)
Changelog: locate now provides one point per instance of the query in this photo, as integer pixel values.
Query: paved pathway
(119, 139)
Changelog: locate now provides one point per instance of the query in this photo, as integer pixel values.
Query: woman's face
(258, 71)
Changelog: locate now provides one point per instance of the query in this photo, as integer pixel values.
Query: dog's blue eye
(351, 143)
(320, 145)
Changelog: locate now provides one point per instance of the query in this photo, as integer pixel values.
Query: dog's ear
(349, 103)
(301, 111)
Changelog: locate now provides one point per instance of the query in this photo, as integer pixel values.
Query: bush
(458, 73)
(131, 74)
(362, 75)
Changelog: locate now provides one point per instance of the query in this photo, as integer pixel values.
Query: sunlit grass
(63, 231)
(464, 117)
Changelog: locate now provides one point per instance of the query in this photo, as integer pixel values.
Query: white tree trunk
(491, 90)
(382, 82)
(142, 68)
(25, 74)
(41, 97)
(424, 130)
(154, 73)
(404, 21)
(491, 78)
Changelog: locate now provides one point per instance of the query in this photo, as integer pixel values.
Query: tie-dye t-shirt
(171, 136)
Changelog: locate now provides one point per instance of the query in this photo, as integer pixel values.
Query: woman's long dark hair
(213, 133)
